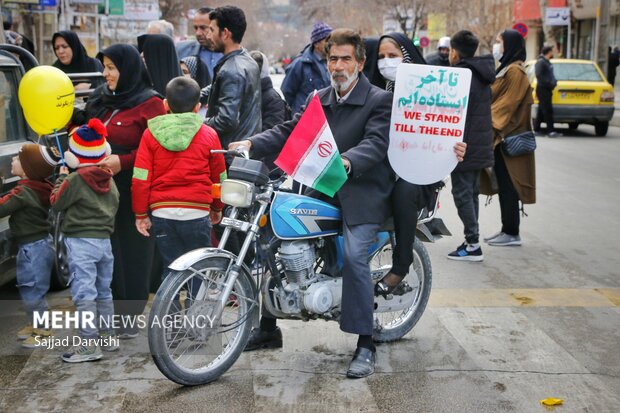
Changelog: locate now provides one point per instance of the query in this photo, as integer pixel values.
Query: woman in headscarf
(160, 57)
(511, 114)
(124, 104)
(72, 57)
(407, 198)
(193, 67)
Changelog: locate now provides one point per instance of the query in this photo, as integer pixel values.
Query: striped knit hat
(87, 144)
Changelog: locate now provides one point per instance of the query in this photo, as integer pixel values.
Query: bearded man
(358, 114)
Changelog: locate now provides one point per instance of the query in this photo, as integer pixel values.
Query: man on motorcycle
(358, 114)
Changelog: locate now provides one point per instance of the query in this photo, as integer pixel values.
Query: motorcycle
(203, 312)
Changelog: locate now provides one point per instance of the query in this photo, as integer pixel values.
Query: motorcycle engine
(298, 259)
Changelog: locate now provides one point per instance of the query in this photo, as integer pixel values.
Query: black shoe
(260, 340)
(363, 363)
(382, 289)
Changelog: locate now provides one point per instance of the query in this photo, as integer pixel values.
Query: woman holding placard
(511, 115)
(407, 198)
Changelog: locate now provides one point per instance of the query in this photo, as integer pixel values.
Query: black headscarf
(410, 53)
(514, 49)
(161, 59)
(133, 87)
(198, 70)
(80, 62)
(370, 65)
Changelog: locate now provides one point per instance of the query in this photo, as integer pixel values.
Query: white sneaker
(505, 240)
(79, 354)
(497, 234)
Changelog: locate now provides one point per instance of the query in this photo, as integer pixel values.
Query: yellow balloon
(46, 95)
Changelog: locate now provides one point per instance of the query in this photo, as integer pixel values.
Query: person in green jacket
(27, 205)
(89, 199)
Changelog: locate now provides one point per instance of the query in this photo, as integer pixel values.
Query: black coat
(273, 107)
(234, 99)
(545, 78)
(360, 126)
(478, 134)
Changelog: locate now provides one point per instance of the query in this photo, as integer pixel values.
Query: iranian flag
(310, 155)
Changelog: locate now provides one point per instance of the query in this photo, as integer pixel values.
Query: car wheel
(601, 128)
(573, 125)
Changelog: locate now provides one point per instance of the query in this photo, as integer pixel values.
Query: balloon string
(62, 157)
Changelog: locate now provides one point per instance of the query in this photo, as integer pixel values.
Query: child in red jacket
(173, 174)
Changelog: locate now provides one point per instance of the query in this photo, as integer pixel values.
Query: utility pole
(602, 35)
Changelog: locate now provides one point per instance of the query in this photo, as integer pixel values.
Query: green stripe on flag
(332, 177)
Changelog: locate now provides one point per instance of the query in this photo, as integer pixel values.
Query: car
(582, 94)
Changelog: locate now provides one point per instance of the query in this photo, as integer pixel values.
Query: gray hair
(160, 27)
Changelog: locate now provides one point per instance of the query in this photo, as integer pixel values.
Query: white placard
(428, 118)
(557, 16)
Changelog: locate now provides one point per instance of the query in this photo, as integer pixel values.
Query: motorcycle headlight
(237, 193)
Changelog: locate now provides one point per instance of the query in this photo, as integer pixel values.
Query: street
(526, 324)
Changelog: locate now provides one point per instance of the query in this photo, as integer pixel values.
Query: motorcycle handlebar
(240, 151)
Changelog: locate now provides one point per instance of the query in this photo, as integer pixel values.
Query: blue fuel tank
(296, 216)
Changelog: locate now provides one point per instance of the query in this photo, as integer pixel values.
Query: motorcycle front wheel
(191, 342)
(393, 325)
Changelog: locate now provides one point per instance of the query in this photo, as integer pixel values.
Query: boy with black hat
(28, 206)
(90, 199)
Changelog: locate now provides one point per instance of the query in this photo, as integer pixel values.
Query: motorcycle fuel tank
(296, 216)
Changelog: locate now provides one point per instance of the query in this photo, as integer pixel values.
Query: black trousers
(545, 109)
(407, 200)
(465, 191)
(508, 196)
(133, 255)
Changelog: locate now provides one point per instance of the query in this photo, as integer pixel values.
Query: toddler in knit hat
(89, 199)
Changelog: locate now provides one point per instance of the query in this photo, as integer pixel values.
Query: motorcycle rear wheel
(198, 350)
(392, 326)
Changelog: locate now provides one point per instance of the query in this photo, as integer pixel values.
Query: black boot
(260, 339)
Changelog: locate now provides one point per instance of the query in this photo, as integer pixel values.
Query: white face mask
(387, 67)
(497, 51)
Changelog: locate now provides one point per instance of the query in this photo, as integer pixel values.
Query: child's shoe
(109, 341)
(80, 353)
(35, 338)
(25, 332)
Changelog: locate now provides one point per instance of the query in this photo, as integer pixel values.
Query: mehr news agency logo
(59, 320)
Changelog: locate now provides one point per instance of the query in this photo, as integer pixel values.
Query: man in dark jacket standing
(359, 118)
(441, 57)
(478, 135)
(545, 83)
(307, 72)
(234, 109)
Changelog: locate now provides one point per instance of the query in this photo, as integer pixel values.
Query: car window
(576, 71)
(11, 124)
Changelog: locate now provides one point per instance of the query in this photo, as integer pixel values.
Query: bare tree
(408, 14)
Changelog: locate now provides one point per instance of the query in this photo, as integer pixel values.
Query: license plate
(576, 95)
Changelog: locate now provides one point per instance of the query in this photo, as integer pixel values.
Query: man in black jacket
(478, 135)
(545, 83)
(235, 95)
(359, 118)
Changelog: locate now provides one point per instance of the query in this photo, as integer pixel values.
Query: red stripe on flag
(309, 127)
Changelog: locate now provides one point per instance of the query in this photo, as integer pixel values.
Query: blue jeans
(91, 263)
(175, 238)
(34, 266)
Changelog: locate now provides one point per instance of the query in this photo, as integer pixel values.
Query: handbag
(519, 144)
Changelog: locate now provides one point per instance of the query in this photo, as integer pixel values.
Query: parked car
(582, 95)
(14, 132)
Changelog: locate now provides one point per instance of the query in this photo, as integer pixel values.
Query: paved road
(528, 323)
